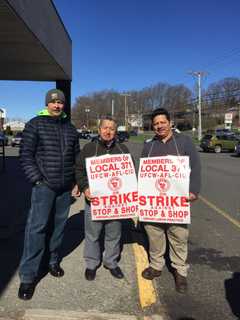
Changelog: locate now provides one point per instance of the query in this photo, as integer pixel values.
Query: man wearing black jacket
(105, 144)
(49, 147)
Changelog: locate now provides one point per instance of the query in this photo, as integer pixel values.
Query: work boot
(151, 273)
(180, 282)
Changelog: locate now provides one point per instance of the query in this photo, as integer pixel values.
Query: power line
(221, 59)
(218, 95)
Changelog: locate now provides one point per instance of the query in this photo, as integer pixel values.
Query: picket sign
(163, 189)
(113, 186)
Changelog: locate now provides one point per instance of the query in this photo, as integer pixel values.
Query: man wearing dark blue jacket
(49, 147)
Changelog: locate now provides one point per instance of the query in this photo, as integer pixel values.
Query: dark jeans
(46, 204)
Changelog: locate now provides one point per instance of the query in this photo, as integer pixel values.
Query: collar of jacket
(156, 137)
(44, 112)
(107, 144)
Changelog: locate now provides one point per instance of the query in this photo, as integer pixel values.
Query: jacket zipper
(62, 150)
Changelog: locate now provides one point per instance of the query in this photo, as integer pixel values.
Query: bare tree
(178, 99)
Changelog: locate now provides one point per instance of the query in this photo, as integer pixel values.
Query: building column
(65, 87)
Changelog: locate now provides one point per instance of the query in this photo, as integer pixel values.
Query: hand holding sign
(87, 194)
(113, 184)
(163, 189)
(192, 197)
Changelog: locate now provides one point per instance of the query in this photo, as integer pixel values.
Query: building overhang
(34, 44)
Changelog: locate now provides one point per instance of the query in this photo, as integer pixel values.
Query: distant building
(2, 117)
(15, 125)
(135, 120)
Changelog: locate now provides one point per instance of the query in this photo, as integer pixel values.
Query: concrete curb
(43, 314)
(39, 314)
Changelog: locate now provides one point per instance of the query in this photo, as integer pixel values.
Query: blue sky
(132, 44)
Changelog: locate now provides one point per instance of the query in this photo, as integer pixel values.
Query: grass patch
(148, 135)
(141, 137)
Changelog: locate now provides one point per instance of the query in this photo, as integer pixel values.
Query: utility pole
(112, 107)
(238, 115)
(87, 110)
(126, 108)
(199, 74)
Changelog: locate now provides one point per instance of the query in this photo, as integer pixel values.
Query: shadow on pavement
(15, 195)
(214, 259)
(232, 288)
(73, 233)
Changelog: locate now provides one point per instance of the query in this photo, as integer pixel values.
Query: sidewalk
(71, 297)
(73, 293)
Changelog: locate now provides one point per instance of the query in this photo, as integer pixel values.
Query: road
(214, 254)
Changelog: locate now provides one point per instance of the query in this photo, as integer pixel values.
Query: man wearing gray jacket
(166, 142)
(106, 143)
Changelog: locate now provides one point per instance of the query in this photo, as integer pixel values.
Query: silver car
(16, 140)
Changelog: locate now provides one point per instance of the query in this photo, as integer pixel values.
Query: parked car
(122, 136)
(133, 133)
(3, 139)
(175, 129)
(147, 140)
(84, 135)
(218, 143)
(16, 140)
(94, 137)
(222, 131)
(237, 149)
(87, 135)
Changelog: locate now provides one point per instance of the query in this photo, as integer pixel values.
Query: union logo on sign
(114, 183)
(162, 185)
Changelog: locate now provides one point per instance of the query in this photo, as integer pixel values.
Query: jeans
(46, 204)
